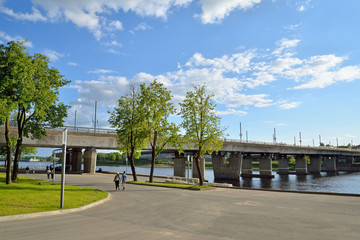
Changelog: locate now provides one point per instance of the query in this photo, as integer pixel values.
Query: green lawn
(29, 195)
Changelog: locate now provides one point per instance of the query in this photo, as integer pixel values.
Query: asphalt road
(144, 212)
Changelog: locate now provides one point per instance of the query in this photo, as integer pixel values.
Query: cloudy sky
(292, 65)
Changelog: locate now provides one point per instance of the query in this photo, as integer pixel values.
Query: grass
(173, 185)
(29, 195)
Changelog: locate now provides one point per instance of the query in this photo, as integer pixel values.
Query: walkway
(143, 212)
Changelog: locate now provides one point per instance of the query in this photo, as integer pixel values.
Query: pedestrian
(123, 180)
(33, 170)
(117, 181)
(52, 170)
(48, 172)
(27, 169)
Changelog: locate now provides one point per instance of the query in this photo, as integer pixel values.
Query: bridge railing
(290, 145)
(85, 129)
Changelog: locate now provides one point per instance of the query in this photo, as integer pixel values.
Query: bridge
(239, 154)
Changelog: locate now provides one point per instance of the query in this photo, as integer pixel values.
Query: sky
(289, 66)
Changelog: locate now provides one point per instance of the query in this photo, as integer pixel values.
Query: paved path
(143, 212)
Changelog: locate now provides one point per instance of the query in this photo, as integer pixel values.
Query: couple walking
(119, 178)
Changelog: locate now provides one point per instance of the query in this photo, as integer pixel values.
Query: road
(144, 212)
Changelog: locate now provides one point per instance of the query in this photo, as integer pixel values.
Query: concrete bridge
(233, 160)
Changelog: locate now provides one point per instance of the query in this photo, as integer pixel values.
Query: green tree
(33, 87)
(128, 120)
(157, 107)
(201, 125)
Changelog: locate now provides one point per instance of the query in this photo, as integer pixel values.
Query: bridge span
(239, 154)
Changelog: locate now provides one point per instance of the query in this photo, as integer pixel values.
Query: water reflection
(265, 182)
(247, 182)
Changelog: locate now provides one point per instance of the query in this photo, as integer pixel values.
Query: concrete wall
(300, 165)
(76, 159)
(230, 172)
(90, 160)
(246, 164)
(315, 164)
(179, 166)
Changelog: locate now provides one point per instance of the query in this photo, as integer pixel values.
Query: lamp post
(63, 168)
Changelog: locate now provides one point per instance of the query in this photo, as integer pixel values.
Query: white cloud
(291, 105)
(116, 25)
(236, 79)
(53, 55)
(113, 43)
(92, 14)
(213, 11)
(9, 38)
(101, 71)
(231, 111)
(72, 64)
(292, 27)
(35, 16)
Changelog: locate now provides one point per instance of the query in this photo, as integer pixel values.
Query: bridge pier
(90, 160)
(300, 165)
(76, 158)
(330, 164)
(202, 168)
(265, 164)
(179, 165)
(246, 165)
(283, 164)
(315, 164)
(230, 172)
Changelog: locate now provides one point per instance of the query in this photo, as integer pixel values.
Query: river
(338, 183)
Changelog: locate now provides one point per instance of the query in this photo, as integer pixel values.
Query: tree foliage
(155, 101)
(201, 125)
(128, 120)
(31, 88)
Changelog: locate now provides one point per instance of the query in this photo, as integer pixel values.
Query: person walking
(27, 169)
(117, 181)
(48, 172)
(123, 180)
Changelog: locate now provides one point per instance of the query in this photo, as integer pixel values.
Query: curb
(56, 212)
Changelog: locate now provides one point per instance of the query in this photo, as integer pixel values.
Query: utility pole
(294, 141)
(240, 133)
(319, 140)
(274, 136)
(313, 143)
(337, 142)
(75, 121)
(300, 137)
(95, 120)
(247, 136)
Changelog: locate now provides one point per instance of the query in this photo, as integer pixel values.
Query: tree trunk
(17, 153)
(151, 179)
(153, 156)
(8, 152)
(131, 160)
(197, 160)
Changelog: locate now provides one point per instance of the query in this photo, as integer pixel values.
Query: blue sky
(292, 65)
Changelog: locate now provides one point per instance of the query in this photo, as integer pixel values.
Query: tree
(201, 125)
(157, 107)
(33, 87)
(128, 120)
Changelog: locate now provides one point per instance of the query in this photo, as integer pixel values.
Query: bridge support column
(246, 165)
(179, 165)
(76, 158)
(265, 165)
(90, 160)
(315, 164)
(330, 164)
(202, 168)
(301, 165)
(230, 172)
(283, 164)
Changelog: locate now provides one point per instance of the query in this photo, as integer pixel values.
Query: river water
(338, 183)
